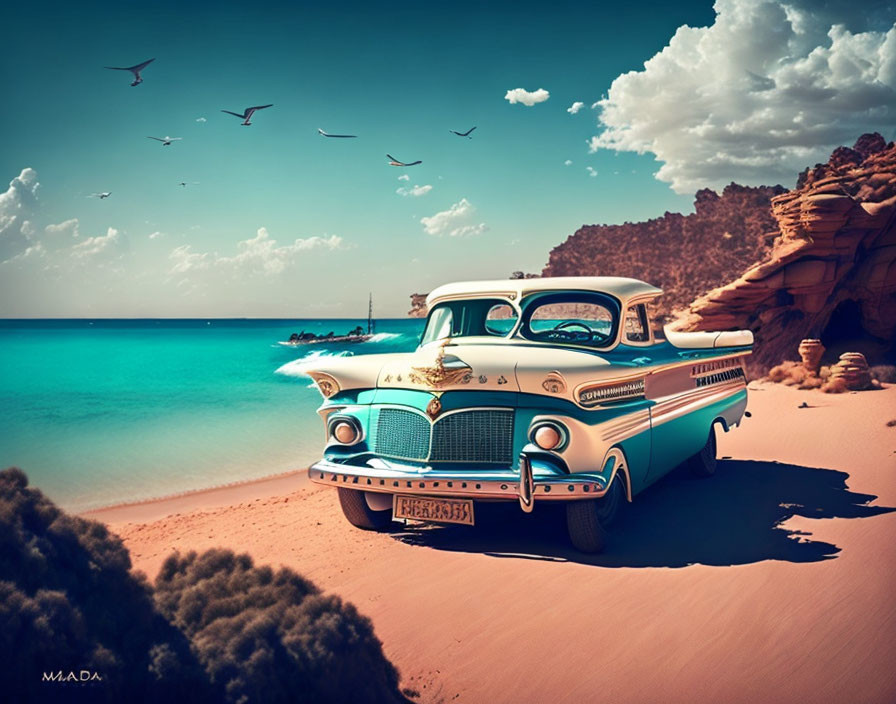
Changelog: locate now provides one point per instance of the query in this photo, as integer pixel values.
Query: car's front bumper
(524, 485)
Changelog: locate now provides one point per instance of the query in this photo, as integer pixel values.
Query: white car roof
(624, 289)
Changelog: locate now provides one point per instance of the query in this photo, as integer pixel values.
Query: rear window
(576, 318)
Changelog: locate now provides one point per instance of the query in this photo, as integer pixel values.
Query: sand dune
(770, 582)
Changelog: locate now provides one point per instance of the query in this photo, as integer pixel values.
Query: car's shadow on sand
(733, 518)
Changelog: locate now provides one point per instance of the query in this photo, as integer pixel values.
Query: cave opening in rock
(845, 332)
(844, 325)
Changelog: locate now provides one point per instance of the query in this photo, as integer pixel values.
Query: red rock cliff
(682, 254)
(831, 271)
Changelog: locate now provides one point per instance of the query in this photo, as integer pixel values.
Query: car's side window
(637, 325)
(500, 319)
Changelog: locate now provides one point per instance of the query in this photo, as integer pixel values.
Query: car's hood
(439, 367)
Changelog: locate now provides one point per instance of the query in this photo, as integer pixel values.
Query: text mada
(71, 676)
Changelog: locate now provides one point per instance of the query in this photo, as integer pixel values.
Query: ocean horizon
(101, 411)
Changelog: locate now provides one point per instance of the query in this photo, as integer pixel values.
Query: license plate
(425, 508)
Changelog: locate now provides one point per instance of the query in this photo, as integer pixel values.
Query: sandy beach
(771, 582)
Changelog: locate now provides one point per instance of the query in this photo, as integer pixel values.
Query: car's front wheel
(356, 509)
(587, 521)
(703, 464)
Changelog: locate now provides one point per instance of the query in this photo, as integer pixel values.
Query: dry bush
(265, 635)
(884, 373)
(69, 602)
(835, 386)
(795, 374)
(217, 629)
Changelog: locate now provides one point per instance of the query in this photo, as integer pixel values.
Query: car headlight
(344, 430)
(549, 436)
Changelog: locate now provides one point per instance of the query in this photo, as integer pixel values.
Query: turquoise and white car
(527, 390)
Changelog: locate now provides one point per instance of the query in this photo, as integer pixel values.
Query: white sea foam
(383, 336)
(299, 367)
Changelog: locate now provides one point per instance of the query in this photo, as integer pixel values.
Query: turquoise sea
(106, 411)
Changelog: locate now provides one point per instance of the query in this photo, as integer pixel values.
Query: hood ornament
(444, 371)
(433, 408)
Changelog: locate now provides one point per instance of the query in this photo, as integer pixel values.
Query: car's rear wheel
(703, 464)
(587, 521)
(358, 512)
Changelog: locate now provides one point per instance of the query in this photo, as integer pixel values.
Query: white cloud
(404, 177)
(16, 206)
(63, 234)
(525, 97)
(112, 244)
(156, 235)
(258, 255)
(201, 119)
(568, 162)
(770, 88)
(69, 228)
(415, 190)
(457, 221)
(575, 107)
(185, 259)
(591, 171)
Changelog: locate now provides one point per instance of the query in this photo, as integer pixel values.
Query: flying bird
(133, 69)
(101, 195)
(395, 162)
(340, 136)
(463, 134)
(166, 141)
(247, 113)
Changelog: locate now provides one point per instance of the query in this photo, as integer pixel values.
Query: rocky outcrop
(831, 271)
(682, 254)
(418, 305)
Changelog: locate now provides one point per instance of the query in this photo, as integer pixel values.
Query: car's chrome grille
(484, 436)
(402, 434)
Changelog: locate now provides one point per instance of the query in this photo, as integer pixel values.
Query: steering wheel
(570, 323)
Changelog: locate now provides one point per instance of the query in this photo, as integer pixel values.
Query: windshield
(466, 318)
(576, 318)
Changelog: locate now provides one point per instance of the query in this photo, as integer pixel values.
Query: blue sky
(321, 221)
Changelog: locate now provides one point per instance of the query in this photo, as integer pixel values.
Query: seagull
(247, 113)
(166, 141)
(463, 134)
(395, 162)
(101, 195)
(340, 136)
(133, 69)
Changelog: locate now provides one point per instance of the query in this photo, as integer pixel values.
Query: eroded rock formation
(682, 254)
(831, 271)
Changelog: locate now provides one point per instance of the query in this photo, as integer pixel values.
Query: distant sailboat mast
(370, 324)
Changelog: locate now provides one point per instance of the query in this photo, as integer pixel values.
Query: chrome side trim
(677, 406)
(625, 427)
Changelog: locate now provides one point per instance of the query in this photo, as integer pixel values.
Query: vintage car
(528, 390)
